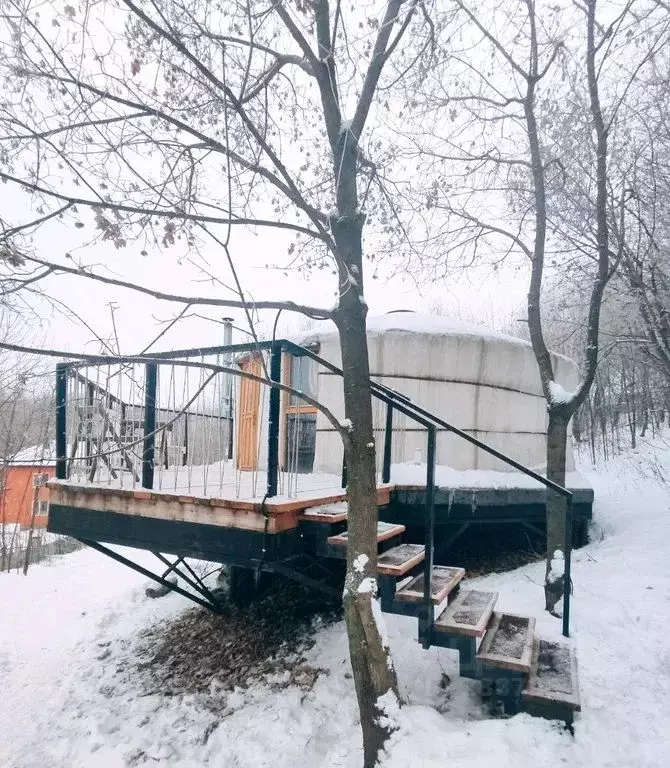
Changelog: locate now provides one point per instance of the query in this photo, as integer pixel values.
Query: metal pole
(184, 459)
(61, 420)
(227, 391)
(428, 615)
(149, 448)
(90, 400)
(388, 439)
(567, 581)
(273, 421)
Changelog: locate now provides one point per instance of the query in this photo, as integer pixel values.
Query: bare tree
(641, 222)
(172, 123)
(25, 410)
(534, 78)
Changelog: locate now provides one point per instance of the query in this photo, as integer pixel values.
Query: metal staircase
(518, 671)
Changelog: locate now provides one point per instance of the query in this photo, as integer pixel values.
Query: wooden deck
(246, 529)
(242, 531)
(271, 516)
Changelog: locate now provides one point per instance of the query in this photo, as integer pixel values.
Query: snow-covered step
(384, 531)
(468, 615)
(508, 642)
(326, 513)
(552, 690)
(443, 581)
(399, 560)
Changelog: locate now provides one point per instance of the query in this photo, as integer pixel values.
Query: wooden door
(249, 417)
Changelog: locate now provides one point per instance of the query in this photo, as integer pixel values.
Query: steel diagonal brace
(211, 606)
(193, 580)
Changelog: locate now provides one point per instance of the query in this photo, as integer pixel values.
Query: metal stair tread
(326, 513)
(384, 531)
(508, 642)
(553, 686)
(468, 615)
(444, 579)
(397, 561)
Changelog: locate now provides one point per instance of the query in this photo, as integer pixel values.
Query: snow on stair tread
(468, 615)
(443, 581)
(508, 642)
(327, 513)
(553, 679)
(401, 559)
(384, 531)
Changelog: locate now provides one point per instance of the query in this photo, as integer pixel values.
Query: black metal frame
(428, 616)
(192, 579)
(273, 420)
(208, 600)
(62, 370)
(149, 444)
(393, 401)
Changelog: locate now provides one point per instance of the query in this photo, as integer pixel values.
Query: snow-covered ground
(71, 697)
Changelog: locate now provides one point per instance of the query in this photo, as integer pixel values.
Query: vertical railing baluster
(90, 435)
(61, 420)
(149, 446)
(273, 420)
(388, 443)
(428, 617)
(567, 582)
(184, 460)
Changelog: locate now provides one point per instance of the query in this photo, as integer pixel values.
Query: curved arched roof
(414, 322)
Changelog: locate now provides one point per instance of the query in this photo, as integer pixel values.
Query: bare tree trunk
(592, 429)
(628, 395)
(33, 515)
(602, 414)
(646, 403)
(374, 675)
(577, 426)
(557, 435)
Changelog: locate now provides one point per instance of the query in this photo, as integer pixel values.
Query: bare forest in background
(26, 432)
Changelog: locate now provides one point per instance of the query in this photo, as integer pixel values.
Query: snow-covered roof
(35, 455)
(413, 322)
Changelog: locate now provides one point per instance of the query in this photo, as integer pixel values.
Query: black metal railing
(393, 400)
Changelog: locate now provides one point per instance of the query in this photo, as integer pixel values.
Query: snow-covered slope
(71, 697)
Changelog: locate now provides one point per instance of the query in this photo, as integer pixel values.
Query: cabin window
(299, 416)
(303, 378)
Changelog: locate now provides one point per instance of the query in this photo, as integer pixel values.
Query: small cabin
(480, 380)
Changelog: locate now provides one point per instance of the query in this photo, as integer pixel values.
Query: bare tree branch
(313, 312)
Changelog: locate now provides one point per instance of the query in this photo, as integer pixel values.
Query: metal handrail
(430, 421)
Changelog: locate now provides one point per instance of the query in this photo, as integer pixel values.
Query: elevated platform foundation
(245, 531)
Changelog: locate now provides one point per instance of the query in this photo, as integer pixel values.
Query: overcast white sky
(482, 296)
(258, 258)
